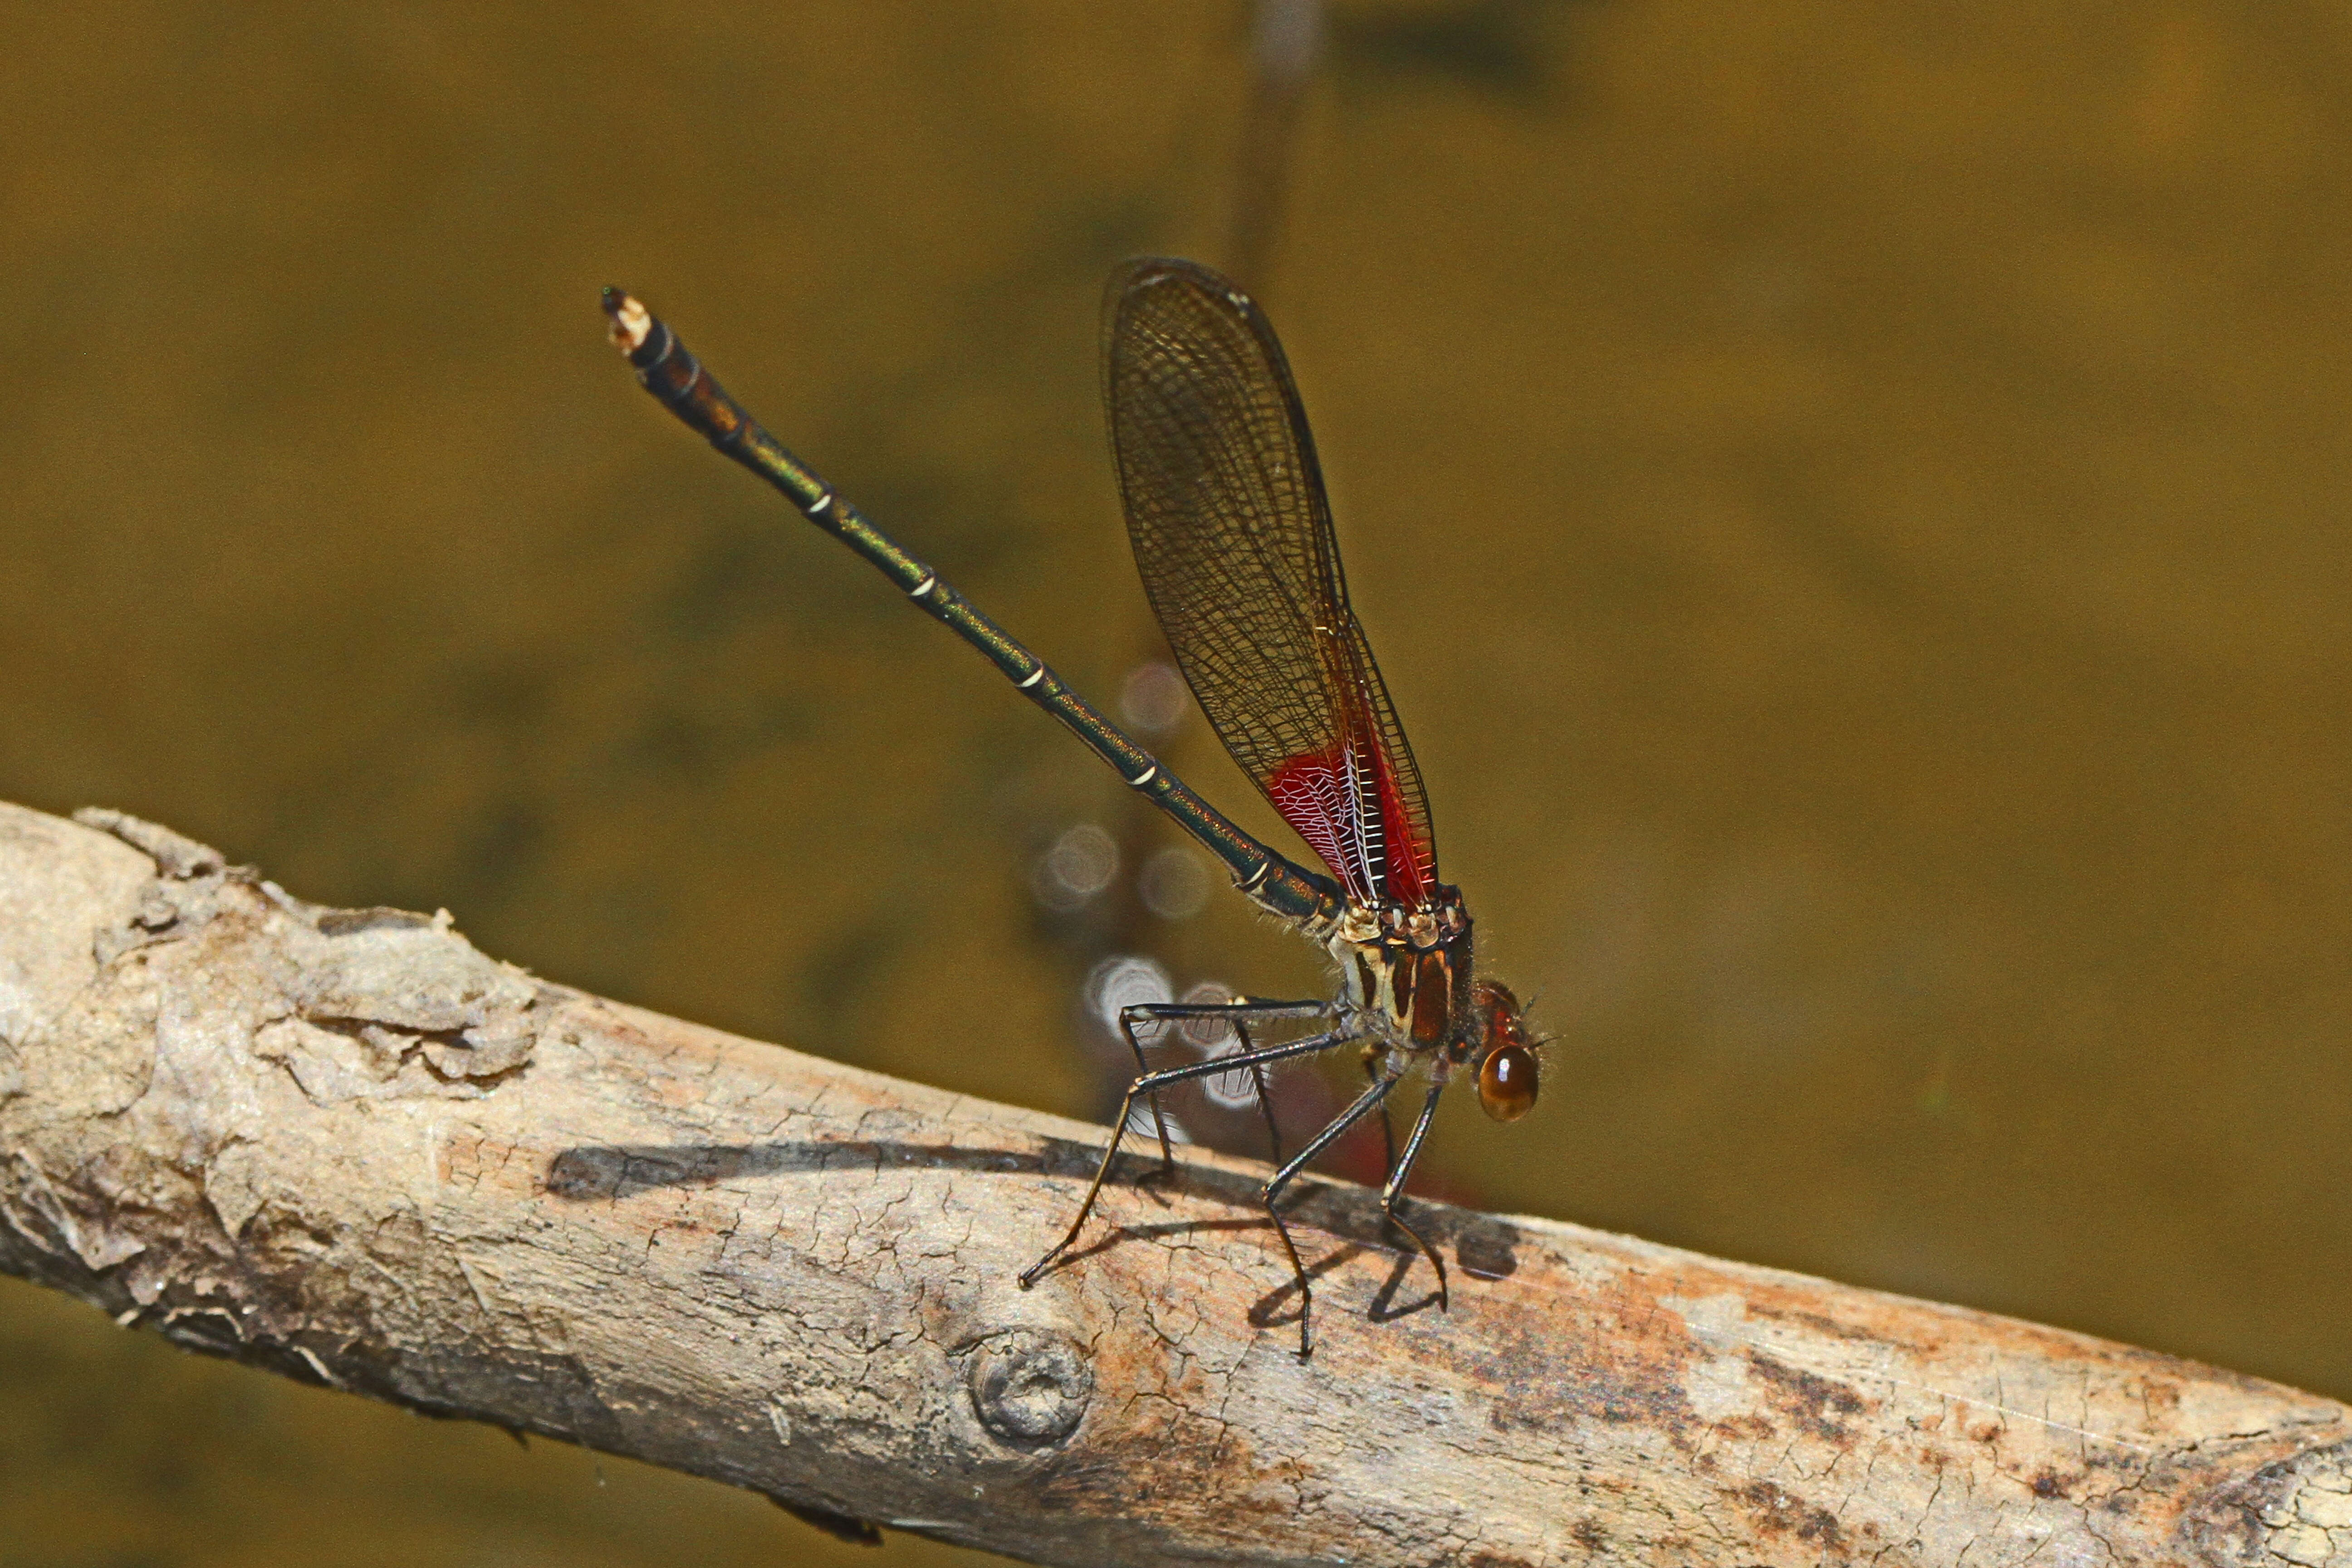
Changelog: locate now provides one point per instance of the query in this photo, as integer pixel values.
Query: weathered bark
(344, 1145)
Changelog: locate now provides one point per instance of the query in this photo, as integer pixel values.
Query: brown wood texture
(346, 1146)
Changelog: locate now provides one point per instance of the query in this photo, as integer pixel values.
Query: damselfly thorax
(1406, 970)
(1407, 986)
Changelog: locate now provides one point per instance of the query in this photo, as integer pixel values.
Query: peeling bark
(346, 1146)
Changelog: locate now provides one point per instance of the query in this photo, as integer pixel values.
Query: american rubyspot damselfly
(1233, 533)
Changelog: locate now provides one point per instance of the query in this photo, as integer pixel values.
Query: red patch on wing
(1362, 833)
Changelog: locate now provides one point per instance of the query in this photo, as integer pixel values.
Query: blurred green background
(1849, 499)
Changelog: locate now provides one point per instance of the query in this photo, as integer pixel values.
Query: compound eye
(1506, 1082)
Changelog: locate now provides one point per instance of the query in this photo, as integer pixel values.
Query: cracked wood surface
(346, 1146)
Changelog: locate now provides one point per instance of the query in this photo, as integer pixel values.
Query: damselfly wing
(1232, 534)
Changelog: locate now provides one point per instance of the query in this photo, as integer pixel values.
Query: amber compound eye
(1507, 1083)
(1507, 1065)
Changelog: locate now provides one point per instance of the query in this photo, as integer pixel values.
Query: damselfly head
(1507, 1062)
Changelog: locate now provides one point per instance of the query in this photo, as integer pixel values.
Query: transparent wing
(1232, 534)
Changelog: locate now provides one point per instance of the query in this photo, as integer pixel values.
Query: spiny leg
(1364, 1103)
(1264, 1097)
(1372, 1054)
(1234, 1012)
(1146, 1084)
(1392, 1194)
(1128, 1017)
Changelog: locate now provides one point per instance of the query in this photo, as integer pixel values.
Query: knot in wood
(1030, 1387)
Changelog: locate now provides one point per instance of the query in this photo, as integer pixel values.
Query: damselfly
(1232, 531)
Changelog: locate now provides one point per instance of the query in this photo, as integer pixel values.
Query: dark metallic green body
(674, 377)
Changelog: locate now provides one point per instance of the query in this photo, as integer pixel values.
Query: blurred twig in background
(1285, 40)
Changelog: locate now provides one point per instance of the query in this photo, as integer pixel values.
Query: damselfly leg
(1240, 1013)
(1264, 1097)
(1372, 1055)
(1270, 1195)
(1392, 1191)
(1237, 1012)
(1151, 1082)
(1393, 1172)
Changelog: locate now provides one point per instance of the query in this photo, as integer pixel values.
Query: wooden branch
(344, 1145)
